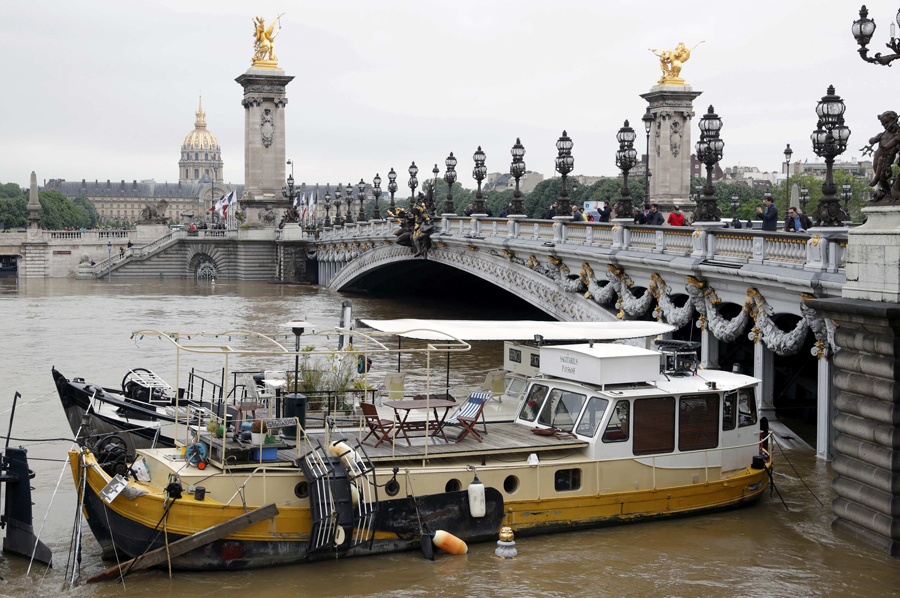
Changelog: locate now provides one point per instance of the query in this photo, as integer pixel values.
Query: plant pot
(257, 438)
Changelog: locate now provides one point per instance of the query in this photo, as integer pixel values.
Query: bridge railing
(736, 246)
(86, 235)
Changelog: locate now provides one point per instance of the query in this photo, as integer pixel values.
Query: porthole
(392, 487)
(301, 490)
(453, 485)
(510, 484)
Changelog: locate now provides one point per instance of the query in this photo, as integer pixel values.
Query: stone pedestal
(873, 256)
(264, 146)
(672, 107)
(702, 242)
(866, 417)
(145, 233)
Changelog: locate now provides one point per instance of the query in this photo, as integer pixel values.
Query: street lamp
(109, 261)
(478, 173)
(288, 193)
(847, 195)
(376, 191)
(348, 191)
(450, 178)
(735, 204)
(829, 140)
(413, 183)
(361, 187)
(709, 151)
(392, 187)
(804, 198)
(626, 157)
(517, 170)
(327, 205)
(648, 119)
(574, 190)
(337, 204)
(565, 163)
(431, 192)
(863, 29)
(787, 182)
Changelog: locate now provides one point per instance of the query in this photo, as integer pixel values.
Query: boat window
(514, 387)
(592, 417)
(567, 479)
(746, 407)
(729, 411)
(654, 425)
(698, 422)
(534, 402)
(561, 409)
(617, 428)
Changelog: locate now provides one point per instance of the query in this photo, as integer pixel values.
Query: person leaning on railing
(796, 222)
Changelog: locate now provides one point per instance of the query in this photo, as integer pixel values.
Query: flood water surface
(84, 329)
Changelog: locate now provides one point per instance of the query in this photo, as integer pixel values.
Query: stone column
(34, 211)
(824, 415)
(264, 145)
(709, 350)
(672, 107)
(866, 412)
(764, 369)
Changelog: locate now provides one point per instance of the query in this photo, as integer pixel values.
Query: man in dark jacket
(655, 218)
(769, 214)
(605, 212)
(638, 215)
(796, 222)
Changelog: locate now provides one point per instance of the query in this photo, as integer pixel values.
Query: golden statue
(264, 43)
(670, 62)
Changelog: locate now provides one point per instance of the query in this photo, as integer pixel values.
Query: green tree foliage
(12, 212)
(10, 190)
(89, 210)
(859, 190)
(58, 212)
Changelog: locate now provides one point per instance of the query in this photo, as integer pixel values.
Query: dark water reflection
(83, 328)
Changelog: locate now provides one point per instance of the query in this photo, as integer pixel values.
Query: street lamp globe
(788, 152)
(392, 187)
(864, 28)
(648, 119)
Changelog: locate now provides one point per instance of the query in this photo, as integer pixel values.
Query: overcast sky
(108, 90)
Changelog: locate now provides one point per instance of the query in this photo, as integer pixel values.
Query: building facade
(201, 155)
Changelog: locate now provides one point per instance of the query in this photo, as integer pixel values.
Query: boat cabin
(624, 402)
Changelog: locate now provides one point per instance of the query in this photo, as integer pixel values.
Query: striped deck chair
(467, 415)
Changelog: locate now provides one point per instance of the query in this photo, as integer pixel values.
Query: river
(84, 329)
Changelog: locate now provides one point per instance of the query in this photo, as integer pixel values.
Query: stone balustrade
(806, 251)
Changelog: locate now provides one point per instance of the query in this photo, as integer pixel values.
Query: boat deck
(501, 438)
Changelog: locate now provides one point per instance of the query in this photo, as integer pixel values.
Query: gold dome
(200, 138)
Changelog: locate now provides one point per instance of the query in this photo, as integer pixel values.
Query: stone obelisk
(34, 210)
(672, 106)
(264, 102)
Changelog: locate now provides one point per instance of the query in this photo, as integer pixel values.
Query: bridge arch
(535, 288)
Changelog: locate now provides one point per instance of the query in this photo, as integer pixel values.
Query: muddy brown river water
(83, 328)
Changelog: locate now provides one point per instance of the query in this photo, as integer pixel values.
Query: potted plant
(258, 432)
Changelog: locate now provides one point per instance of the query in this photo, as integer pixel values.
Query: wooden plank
(179, 547)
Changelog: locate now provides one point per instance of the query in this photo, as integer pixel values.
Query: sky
(108, 90)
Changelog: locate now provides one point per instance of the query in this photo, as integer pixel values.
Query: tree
(859, 190)
(13, 212)
(89, 211)
(10, 190)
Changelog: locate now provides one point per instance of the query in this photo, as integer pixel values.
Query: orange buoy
(449, 543)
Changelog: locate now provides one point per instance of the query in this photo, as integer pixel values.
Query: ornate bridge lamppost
(804, 199)
(376, 192)
(413, 183)
(450, 178)
(392, 187)
(735, 204)
(478, 173)
(565, 163)
(348, 191)
(626, 158)
(787, 181)
(829, 141)
(709, 151)
(337, 204)
(327, 205)
(430, 195)
(846, 196)
(863, 29)
(361, 187)
(648, 120)
(517, 170)
(289, 193)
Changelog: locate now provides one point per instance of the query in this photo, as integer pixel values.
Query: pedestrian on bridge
(769, 214)
(655, 218)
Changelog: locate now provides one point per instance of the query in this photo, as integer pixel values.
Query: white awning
(517, 330)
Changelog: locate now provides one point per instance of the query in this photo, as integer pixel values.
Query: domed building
(201, 155)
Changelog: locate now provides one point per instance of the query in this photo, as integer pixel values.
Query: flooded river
(84, 329)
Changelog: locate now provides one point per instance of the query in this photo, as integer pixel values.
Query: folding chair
(468, 414)
(376, 424)
(392, 386)
(494, 382)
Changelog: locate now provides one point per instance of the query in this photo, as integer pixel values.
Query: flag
(227, 201)
(217, 207)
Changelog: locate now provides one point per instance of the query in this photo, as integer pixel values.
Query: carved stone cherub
(883, 158)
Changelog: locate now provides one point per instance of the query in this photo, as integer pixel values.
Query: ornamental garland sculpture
(264, 42)
(671, 61)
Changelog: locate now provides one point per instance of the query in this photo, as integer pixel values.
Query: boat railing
(200, 389)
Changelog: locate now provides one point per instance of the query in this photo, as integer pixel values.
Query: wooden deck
(501, 438)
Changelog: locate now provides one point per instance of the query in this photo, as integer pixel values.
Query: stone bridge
(741, 291)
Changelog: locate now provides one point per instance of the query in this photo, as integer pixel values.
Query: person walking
(676, 218)
(769, 214)
(655, 218)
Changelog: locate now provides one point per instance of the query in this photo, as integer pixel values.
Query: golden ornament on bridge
(670, 61)
(264, 43)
